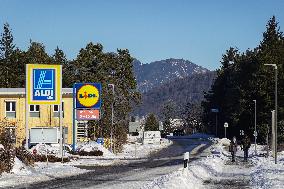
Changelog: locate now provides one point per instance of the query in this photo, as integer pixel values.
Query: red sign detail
(88, 114)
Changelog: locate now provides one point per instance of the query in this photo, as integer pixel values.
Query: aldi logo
(43, 84)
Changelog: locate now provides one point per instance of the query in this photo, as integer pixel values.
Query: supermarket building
(13, 109)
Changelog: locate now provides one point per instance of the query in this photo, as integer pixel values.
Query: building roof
(21, 91)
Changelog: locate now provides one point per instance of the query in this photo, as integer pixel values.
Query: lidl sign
(88, 95)
(43, 83)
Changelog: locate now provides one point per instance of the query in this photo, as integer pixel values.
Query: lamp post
(275, 69)
(255, 133)
(112, 115)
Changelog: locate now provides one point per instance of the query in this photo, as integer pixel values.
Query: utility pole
(112, 116)
(275, 69)
(255, 133)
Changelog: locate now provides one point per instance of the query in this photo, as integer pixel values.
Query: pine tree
(7, 48)
(68, 71)
(151, 123)
(168, 114)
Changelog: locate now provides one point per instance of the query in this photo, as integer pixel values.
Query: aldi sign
(43, 83)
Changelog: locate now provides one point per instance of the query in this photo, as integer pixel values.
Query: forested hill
(179, 92)
(151, 75)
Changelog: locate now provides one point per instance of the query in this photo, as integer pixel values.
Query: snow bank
(92, 146)
(180, 179)
(20, 168)
(41, 149)
(261, 172)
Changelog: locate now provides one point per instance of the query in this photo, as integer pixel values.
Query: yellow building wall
(46, 118)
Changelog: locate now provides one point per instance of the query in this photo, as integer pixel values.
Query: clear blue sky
(199, 31)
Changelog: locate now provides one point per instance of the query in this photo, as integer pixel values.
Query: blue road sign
(214, 110)
(43, 84)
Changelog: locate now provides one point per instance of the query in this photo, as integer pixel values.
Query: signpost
(216, 111)
(226, 125)
(44, 86)
(86, 104)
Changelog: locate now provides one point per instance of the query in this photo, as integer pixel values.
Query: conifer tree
(7, 47)
(151, 123)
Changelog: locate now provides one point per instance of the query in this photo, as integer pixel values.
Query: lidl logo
(88, 95)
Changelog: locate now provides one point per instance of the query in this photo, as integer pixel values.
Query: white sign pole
(226, 125)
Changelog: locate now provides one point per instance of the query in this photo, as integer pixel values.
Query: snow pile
(93, 146)
(267, 174)
(41, 171)
(42, 149)
(180, 179)
(20, 168)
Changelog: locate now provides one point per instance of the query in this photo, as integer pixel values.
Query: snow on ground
(42, 171)
(22, 174)
(218, 170)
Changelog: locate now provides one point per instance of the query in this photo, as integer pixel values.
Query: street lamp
(275, 69)
(112, 115)
(255, 133)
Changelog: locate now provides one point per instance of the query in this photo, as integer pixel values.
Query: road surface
(133, 175)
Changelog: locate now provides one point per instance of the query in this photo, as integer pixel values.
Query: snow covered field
(42, 171)
(217, 171)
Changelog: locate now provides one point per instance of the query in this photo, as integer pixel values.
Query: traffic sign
(214, 110)
(43, 83)
(226, 124)
(88, 95)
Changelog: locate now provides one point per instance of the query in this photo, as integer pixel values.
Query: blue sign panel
(88, 95)
(214, 110)
(44, 84)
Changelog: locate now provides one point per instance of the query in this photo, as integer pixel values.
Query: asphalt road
(133, 175)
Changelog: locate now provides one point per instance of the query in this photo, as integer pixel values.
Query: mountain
(179, 91)
(151, 75)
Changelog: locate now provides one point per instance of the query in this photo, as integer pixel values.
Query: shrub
(51, 158)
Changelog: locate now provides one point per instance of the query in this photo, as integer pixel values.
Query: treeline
(90, 65)
(243, 78)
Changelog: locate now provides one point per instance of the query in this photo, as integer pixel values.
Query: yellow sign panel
(88, 95)
(43, 83)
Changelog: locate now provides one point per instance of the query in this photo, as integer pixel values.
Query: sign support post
(74, 118)
(60, 120)
(27, 113)
(226, 125)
